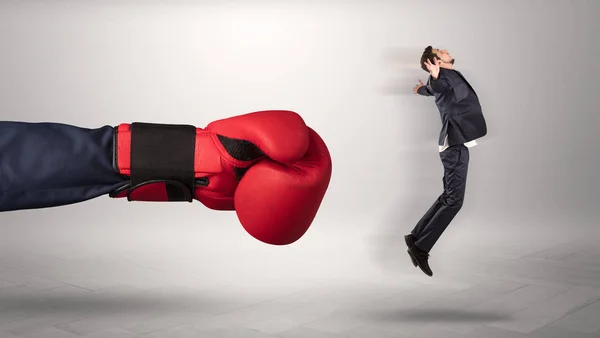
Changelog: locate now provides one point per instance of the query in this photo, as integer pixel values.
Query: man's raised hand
(419, 85)
(433, 68)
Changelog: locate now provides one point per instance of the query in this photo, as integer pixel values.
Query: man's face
(443, 55)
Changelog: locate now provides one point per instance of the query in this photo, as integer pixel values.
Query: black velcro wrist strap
(164, 152)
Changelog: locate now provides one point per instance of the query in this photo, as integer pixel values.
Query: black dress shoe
(410, 241)
(421, 258)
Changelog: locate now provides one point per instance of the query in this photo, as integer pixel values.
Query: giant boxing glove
(268, 166)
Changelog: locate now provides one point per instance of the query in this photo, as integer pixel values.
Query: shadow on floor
(96, 303)
(444, 315)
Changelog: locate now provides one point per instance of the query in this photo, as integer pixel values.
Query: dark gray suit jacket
(460, 111)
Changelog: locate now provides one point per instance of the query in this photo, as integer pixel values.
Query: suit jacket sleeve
(424, 90)
(74, 164)
(439, 86)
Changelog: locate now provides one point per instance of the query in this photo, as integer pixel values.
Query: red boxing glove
(268, 166)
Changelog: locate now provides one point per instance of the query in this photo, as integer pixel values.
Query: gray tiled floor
(184, 283)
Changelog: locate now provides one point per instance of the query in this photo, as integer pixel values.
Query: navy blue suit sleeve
(424, 90)
(52, 164)
(439, 86)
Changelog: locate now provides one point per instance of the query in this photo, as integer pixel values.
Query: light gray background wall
(348, 67)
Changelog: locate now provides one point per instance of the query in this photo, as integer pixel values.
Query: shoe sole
(408, 244)
(412, 256)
